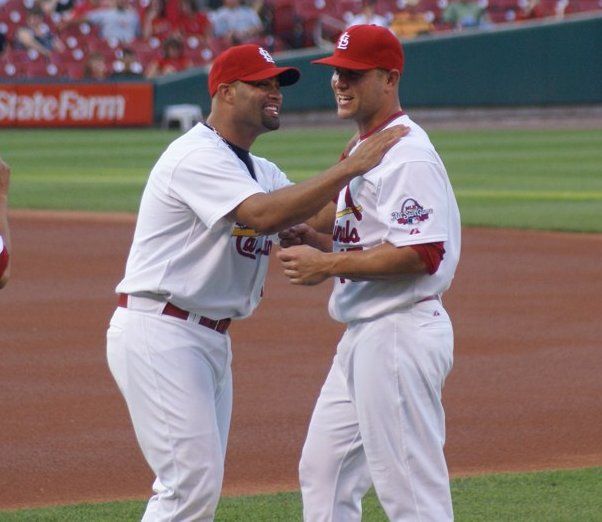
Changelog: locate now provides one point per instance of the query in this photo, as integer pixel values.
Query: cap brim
(344, 63)
(286, 75)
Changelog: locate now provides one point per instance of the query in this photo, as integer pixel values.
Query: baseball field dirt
(523, 395)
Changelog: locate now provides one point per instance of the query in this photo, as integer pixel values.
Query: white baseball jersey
(406, 200)
(185, 248)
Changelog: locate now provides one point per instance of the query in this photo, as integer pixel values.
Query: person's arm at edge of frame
(270, 213)
(4, 229)
(304, 265)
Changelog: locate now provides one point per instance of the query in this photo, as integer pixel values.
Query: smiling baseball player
(4, 230)
(396, 240)
(198, 260)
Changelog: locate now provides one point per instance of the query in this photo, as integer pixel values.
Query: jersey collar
(382, 125)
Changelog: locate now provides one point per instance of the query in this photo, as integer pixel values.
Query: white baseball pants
(176, 379)
(379, 421)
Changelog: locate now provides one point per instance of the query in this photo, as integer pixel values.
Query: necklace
(241, 153)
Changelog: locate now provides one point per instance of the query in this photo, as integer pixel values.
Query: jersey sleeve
(413, 202)
(212, 183)
(269, 174)
(280, 179)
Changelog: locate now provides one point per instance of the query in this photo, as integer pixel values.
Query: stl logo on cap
(266, 56)
(343, 41)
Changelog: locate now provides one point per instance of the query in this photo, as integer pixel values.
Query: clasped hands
(302, 255)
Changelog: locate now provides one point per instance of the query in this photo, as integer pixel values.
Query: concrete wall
(551, 63)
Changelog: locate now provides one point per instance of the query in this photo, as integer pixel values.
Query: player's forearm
(269, 213)
(323, 221)
(4, 185)
(380, 263)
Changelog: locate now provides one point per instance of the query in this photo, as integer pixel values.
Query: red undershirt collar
(382, 125)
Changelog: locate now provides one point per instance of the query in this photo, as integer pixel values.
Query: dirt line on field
(73, 215)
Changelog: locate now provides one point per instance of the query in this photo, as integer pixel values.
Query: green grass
(552, 496)
(548, 179)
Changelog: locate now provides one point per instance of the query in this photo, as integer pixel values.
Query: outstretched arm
(4, 230)
(269, 213)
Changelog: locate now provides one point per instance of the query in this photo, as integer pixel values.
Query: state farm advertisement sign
(75, 105)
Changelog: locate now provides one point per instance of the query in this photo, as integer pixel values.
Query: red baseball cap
(248, 63)
(364, 47)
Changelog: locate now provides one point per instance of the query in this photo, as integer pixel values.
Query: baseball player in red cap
(198, 260)
(4, 230)
(396, 243)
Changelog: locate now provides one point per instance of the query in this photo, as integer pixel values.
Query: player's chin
(271, 122)
(345, 113)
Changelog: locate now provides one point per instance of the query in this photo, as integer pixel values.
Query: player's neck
(378, 120)
(231, 132)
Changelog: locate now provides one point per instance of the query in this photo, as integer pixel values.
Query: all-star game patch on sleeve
(413, 201)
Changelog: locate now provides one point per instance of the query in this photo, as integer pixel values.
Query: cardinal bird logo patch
(411, 213)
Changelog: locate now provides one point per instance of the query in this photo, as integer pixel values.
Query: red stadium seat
(42, 69)
(11, 70)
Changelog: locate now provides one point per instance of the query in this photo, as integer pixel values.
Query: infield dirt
(523, 395)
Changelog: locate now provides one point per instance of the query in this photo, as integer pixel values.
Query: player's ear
(393, 77)
(226, 91)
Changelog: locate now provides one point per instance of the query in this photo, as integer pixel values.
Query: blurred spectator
(80, 10)
(156, 23)
(95, 68)
(208, 5)
(119, 22)
(465, 14)
(175, 17)
(411, 21)
(368, 15)
(173, 59)
(267, 13)
(55, 6)
(529, 10)
(560, 9)
(128, 67)
(37, 35)
(193, 21)
(236, 23)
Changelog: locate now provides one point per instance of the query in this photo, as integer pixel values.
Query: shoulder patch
(411, 213)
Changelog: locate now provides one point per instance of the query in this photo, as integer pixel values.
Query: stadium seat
(41, 69)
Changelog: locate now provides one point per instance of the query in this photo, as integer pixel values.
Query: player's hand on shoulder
(371, 151)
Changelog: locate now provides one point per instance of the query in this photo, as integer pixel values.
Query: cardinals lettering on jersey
(249, 243)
